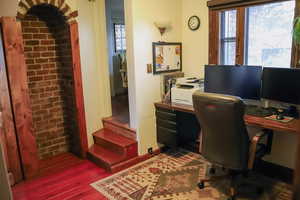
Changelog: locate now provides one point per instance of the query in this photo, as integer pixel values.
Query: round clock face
(194, 23)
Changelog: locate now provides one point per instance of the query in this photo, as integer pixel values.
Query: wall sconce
(162, 27)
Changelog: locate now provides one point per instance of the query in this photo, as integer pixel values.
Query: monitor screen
(281, 84)
(241, 81)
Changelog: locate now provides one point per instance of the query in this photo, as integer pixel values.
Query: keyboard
(259, 111)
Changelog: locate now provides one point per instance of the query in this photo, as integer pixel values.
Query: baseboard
(272, 170)
(133, 161)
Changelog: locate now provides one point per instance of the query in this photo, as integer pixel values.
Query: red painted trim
(17, 75)
(82, 137)
(9, 133)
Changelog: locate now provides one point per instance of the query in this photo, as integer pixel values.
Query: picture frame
(167, 57)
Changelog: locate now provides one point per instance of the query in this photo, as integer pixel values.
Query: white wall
(8, 7)
(145, 89)
(141, 33)
(194, 43)
(94, 63)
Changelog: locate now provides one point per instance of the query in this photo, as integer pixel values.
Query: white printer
(182, 92)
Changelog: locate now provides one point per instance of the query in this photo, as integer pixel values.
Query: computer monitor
(241, 81)
(281, 84)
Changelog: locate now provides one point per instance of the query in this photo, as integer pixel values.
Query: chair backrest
(225, 138)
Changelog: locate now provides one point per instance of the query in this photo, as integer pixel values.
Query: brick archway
(15, 39)
(25, 5)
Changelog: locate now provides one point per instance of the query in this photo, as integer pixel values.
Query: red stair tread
(114, 138)
(105, 155)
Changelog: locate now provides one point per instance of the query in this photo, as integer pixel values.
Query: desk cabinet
(177, 129)
(166, 127)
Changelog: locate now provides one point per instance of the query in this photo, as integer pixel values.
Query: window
(270, 34)
(259, 34)
(228, 37)
(120, 40)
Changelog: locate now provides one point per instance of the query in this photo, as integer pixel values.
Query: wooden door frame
(17, 81)
(20, 100)
(78, 89)
(8, 136)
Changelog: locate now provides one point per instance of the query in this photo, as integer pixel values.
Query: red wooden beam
(17, 76)
(9, 136)
(78, 91)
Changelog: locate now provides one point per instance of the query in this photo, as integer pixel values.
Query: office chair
(225, 140)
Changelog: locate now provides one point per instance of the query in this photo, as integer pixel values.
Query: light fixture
(162, 26)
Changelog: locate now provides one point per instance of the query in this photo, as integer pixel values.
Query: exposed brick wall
(50, 79)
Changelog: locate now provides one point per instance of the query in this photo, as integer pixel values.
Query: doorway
(116, 34)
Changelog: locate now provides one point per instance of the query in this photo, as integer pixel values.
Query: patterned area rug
(174, 176)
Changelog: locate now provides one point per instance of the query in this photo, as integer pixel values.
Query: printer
(182, 91)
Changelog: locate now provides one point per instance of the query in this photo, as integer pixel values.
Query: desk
(260, 122)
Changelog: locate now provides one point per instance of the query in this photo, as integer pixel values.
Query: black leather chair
(225, 140)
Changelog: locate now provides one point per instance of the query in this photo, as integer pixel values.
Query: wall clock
(194, 23)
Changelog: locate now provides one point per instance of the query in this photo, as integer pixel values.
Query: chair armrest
(253, 147)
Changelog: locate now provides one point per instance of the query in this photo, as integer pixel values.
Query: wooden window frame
(218, 6)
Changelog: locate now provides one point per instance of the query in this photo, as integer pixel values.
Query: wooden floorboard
(69, 183)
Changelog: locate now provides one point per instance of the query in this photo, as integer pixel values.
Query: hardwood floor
(71, 182)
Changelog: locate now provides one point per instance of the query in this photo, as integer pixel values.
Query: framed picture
(167, 57)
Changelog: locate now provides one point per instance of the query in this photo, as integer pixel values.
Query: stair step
(114, 138)
(112, 124)
(103, 157)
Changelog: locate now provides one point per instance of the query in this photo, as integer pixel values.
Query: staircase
(115, 146)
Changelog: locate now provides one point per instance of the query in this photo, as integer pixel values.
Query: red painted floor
(72, 183)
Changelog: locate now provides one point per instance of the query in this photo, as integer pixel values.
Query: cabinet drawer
(160, 115)
(167, 137)
(166, 124)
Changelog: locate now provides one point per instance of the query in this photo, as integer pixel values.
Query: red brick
(40, 36)
(51, 48)
(42, 72)
(38, 24)
(41, 60)
(26, 49)
(30, 30)
(36, 78)
(30, 73)
(27, 36)
(47, 66)
(32, 54)
(47, 42)
(40, 48)
(48, 54)
(32, 42)
(50, 77)
(29, 61)
(34, 67)
(44, 30)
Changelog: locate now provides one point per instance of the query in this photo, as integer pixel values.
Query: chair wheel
(201, 185)
(212, 171)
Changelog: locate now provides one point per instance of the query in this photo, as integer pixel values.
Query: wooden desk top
(261, 122)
